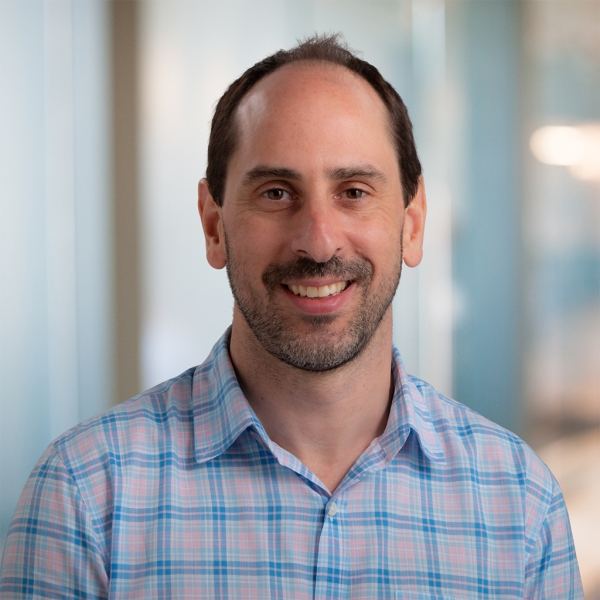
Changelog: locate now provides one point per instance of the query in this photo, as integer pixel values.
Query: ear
(212, 223)
(414, 227)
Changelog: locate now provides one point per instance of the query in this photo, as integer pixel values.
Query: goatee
(318, 349)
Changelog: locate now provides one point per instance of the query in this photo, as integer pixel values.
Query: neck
(326, 419)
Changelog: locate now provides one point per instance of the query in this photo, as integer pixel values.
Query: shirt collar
(410, 412)
(222, 413)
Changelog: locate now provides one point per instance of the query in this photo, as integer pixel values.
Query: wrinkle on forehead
(277, 114)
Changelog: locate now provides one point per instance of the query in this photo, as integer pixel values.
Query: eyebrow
(358, 172)
(264, 172)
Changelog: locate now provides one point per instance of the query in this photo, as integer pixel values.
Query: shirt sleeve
(552, 572)
(52, 549)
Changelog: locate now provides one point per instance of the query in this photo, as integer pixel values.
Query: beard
(318, 349)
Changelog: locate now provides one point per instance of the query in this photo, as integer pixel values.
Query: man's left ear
(414, 227)
(212, 223)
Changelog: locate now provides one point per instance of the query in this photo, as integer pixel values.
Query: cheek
(253, 247)
(379, 242)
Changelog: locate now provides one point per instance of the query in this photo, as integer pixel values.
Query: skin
(340, 195)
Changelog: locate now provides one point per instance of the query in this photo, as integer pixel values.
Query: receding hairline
(309, 64)
(312, 64)
(319, 52)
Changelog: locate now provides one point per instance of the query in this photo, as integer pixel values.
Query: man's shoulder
(470, 440)
(140, 426)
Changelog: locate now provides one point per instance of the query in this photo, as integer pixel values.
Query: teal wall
(487, 358)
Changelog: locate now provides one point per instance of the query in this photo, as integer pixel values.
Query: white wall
(54, 228)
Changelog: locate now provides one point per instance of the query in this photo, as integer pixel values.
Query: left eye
(353, 194)
(277, 194)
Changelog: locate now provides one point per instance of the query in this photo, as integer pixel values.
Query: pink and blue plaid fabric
(179, 493)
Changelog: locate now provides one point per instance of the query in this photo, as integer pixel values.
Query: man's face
(313, 214)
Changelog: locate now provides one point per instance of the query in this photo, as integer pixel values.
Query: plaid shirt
(180, 493)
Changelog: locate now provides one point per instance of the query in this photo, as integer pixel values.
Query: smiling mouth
(319, 292)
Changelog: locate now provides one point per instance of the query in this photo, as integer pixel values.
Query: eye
(277, 194)
(354, 194)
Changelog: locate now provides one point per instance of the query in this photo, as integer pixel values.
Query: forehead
(327, 97)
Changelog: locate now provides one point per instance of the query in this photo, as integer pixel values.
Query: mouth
(323, 291)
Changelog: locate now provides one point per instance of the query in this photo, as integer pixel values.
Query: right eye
(277, 194)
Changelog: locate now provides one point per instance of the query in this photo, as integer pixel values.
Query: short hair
(328, 49)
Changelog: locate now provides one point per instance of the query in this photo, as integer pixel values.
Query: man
(300, 460)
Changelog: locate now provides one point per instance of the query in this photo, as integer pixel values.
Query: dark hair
(329, 49)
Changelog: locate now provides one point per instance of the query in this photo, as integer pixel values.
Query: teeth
(318, 292)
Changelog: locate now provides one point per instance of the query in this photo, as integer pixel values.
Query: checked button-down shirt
(180, 493)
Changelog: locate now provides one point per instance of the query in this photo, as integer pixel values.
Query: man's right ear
(212, 223)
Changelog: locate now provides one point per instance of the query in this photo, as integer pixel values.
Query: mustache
(359, 270)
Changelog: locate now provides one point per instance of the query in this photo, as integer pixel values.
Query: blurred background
(105, 291)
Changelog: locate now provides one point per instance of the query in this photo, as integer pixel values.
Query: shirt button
(332, 510)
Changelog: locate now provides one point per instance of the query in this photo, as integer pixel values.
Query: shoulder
(494, 478)
(127, 442)
(464, 430)
(133, 426)
(498, 461)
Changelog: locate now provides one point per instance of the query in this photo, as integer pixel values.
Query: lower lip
(320, 306)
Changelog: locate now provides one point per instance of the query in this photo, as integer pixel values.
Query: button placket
(331, 582)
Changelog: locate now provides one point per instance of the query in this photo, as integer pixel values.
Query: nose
(317, 231)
